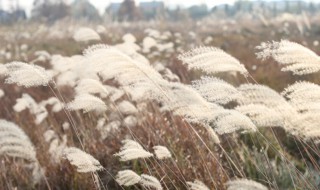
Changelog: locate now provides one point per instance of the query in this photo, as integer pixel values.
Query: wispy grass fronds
(91, 86)
(27, 102)
(15, 143)
(244, 184)
(111, 63)
(150, 182)
(85, 34)
(83, 161)
(185, 101)
(229, 121)
(3, 70)
(306, 125)
(61, 64)
(162, 152)
(294, 57)
(56, 146)
(303, 95)
(216, 90)
(127, 178)
(27, 75)
(115, 93)
(261, 115)
(127, 108)
(87, 103)
(260, 94)
(211, 60)
(132, 150)
(212, 134)
(1, 93)
(197, 185)
(56, 104)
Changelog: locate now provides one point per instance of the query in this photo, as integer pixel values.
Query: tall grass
(108, 119)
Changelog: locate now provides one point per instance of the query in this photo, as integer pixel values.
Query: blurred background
(128, 10)
(51, 25)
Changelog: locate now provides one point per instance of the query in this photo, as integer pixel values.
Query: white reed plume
(130, 121)
(132, 150)
(1, 93)
(110, 63)
(197, 185)
(56, 147)
(136, 77)
(3, 69)
(107, 129)
(294, 57)
(244, 184)
(304, 96)
(14, 142)
(127, 108)
(306, 125)
(185, 101)
(87, 103)
(83, 161)
(67, 78)
(91, 86)
(56, 104)
(212, 60)
(212, 134)
(216, 90)
(62, 64)
(42, 56)
(127, 178)
(150, 182)
(143, 91)
(302, 89)
(27, 102)
(27, 75)
(115, 93)
(260, 94)
(85, 34)
(261, 115)
(303, 107)
(229, 121)
(162, 152)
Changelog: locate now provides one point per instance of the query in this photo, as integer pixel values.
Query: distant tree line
(51, 11)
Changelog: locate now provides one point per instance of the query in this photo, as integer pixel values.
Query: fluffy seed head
(197, 185)
(148, 182)
(261, 115)
(132, 150)
(244, 184)
(127, 178)
(14, 142)
(87, 103)
(91, 86)
(27, 75)
(84, 162)
(294, 57)
(212, 60)
(161, 152)
(85, 34)
(216, 90)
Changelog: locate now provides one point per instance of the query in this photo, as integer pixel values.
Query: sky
(102, 4)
